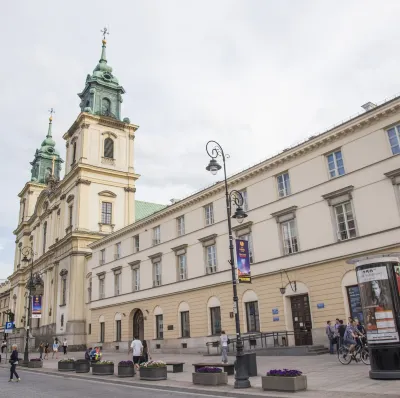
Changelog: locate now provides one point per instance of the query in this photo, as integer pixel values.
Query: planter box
(82, 366)
(102, 370)
(126, 371)
(35, 364)
(66, 366)
(153, 373)
(210, 379)
(279, 383)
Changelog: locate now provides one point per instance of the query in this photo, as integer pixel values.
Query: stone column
(129, 205)
(83, 203)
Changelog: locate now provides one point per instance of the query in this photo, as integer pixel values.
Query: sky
(256, 76)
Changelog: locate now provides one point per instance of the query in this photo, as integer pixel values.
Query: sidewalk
(326, 376)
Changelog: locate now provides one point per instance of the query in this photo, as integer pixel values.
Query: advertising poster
(397, 272)
(356, 311)
(36, 306)
(243, 261)
(378, 305)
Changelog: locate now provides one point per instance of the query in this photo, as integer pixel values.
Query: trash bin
(251, 363)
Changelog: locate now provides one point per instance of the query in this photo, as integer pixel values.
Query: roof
(144, 209)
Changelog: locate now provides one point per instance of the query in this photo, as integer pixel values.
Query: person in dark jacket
(14, 363)
(342, 330)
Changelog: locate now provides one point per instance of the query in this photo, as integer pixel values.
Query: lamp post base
(241, 375)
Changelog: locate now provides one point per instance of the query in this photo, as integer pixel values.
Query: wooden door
(301, 315)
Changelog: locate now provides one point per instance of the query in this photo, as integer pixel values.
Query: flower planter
(35, 364)
(281, 383)
(66, 366)
(82, 366)
(103, 369)
(210, 379)
(153, 373)
(126, 371)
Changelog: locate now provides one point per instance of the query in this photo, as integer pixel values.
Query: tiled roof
(144, 209)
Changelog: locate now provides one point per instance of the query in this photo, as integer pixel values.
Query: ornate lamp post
(27, 251)
(241, 375)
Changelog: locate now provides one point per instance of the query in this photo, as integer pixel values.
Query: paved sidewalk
(326, 376)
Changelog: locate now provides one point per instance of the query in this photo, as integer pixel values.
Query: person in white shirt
(137, 351)
(65, 345)
(224, 347)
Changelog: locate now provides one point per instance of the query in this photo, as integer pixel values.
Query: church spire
(49, 131)
(103, 58)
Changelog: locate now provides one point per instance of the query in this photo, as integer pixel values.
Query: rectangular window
(106, 213)
(44, 236)
(70, 212)
(102, 332)
(394, 139)
(156, 235)
(283, 182)
(180, 222)
(118, 251)
(90, 291)
(136, 279)
(182, 269)
(211, 258)
(102, 256)
(159, 327)
(209, 214)
(289, 237)
(185, 324)
(335, 164)
(117, 284)
(64, 290)
(101, 289)
(90, 328)
(215, 317)
(157, 274)
(136, 243)
(346, 227)
(249, 239)
(117, 330)
(252, 316)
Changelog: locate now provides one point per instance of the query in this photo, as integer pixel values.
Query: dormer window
(109, 148)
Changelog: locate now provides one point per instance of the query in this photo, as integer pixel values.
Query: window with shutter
(109, 148)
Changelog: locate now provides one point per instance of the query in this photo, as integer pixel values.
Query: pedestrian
(146, 352)
(65, 345)
(224, 347)
(41, 349)
(342, 330)
(55, 348)
(330, 332)
(46, 350)
(3, 346)
(137, 351)
(14, 362)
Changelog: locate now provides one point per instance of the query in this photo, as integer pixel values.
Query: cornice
(180, 247)
(159, 254)
(283, 212)
(339, 192)
(245, 225)
(129, 189)
(207, 238)
(82, 181)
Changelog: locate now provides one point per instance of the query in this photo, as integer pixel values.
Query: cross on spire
(105, 32)
(51, 111)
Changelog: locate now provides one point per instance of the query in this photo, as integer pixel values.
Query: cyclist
(350, 335)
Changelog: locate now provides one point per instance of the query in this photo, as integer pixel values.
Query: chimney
(368, 106)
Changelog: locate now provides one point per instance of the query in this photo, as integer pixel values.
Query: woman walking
(14, 363)
(46, 350)
(146, 352)
(65, 345)
(41, 349)
(56, 344)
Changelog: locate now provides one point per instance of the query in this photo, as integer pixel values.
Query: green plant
(153, 364)
(67, 360)
(104, 363)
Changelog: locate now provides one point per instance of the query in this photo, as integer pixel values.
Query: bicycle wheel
(344, 356)
(365, 356)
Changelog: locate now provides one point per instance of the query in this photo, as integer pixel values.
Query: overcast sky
(257, 76)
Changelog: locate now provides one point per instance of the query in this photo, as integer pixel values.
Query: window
(90, 291)
(252, 316)
(211, 258)
(109, 148)
(136, 279)
(335, 164)
(215, 316)
(118, 251)
(102, 257)
(23, 210)
(106, 213)
(283, 181)
(136, 243)
(180, 221)
(185, 324)
(74, 152)
(182, 269)
(289, 237)
(117, 284)
(90, 328)
(64, 290)
(249, 239)
(102, 332)
(70, 212)
(157, 274)
(44, 236)
(156, 235)
(101, 288)
(346, 227)
(245, 200)
(159, 327)
(209, 214)
(394, 139)
(117, 330)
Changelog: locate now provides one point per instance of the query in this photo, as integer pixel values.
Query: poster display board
(243, 261)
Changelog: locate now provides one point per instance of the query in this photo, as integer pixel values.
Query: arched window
(74, 153)
(109, 148)
(106, 107)
(44, 236)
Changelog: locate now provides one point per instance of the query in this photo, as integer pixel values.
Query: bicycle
(360, 353)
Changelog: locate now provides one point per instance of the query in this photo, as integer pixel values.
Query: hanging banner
(243, 261)
(377, 305)
(36, 306)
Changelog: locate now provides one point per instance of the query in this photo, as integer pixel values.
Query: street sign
(9, 327)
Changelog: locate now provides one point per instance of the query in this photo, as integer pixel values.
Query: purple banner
(36, 306)
(243, 261)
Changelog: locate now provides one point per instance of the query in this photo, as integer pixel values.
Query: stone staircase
(290, 351)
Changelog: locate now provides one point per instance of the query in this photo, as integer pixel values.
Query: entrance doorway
(138, 325)
(302, 324)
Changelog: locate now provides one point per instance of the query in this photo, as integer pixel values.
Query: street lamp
(241, 375)
(27, 251)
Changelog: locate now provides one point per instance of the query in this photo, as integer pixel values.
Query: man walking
(137, 351)
(330, 332)
(224, 347)
(65, 345)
